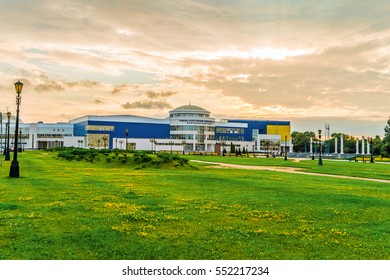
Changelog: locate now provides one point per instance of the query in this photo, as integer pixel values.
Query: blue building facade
(188, 126)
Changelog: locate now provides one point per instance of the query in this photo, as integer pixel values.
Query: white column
(363, 145)
(342, 144)
(357, 145)
(368, 147)
(335, 145)
(311, 145)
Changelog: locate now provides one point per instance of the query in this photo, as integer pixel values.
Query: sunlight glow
(264, 53)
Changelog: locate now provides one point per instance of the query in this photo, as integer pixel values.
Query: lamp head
(8, 115)
(18, 87)
(319, 131)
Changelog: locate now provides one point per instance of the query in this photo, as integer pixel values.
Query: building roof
(119, 118)
(191, 108)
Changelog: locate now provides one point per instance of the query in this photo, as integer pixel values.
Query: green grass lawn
(63, 209)
(337, 167)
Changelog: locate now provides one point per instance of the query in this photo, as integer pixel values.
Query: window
(100, 127)
(182, 136)
(230, 130)
(254, 134)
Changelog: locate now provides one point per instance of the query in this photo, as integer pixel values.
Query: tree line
(380, 146)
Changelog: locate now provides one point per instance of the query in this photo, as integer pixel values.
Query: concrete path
(285, 169)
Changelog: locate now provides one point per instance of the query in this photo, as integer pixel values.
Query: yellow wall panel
(282, 130)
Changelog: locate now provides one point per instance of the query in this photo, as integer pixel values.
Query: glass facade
(100, 127)
(230, 130)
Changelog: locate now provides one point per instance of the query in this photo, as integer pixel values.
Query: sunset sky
(310, 62)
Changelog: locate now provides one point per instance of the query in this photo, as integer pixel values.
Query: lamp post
(151, 142)
(20, 140)
(5, 140)
(285, 147)
(223, 143)
(319, 141)
(7, 155)
(14, 170)
(312, 149)
(184, 142)
(171, 143)
(127, 136)
(105, 142)
(267, 147)
(371, 141)
(80, 142)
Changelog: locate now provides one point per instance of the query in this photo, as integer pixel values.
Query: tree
(301, 141)
(387, 129)
(385, 149)
(232, 147)
(377, 147)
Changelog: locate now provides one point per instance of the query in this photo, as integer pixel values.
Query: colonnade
(364, 144)
(336, 145)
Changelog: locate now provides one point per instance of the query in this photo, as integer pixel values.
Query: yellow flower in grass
(142, 234)
(27, 198)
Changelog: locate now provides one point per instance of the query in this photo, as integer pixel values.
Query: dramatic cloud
(153, 95)
(48, 85)
(293, 60)
(97, 101)
(147, 104)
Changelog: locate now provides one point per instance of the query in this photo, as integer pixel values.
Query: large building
(188, 128)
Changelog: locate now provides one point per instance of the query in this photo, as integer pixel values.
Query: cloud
(119, 89)
(98, 101)
(328, 59)
(153, 95)
(46, 84)
(147, 104)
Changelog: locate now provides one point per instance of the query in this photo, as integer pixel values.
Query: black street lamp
(151, 142)
(312, 149)
(223, 144)
(285, 147)
(319, 141)
(20, 140)
(371, 141)
(171, 143)
(8, 126)
(267, 147)
(105, 142)
(184, 142)
(14, 170)
(127, 136)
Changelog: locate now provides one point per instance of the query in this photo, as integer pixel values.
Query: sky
(308, 62)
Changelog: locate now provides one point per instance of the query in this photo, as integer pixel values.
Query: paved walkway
(285, 169)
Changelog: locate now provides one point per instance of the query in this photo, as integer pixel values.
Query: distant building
(188, 127)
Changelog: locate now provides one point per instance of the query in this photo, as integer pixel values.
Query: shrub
(141, 157)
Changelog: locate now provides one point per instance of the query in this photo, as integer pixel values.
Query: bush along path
(137, 159)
